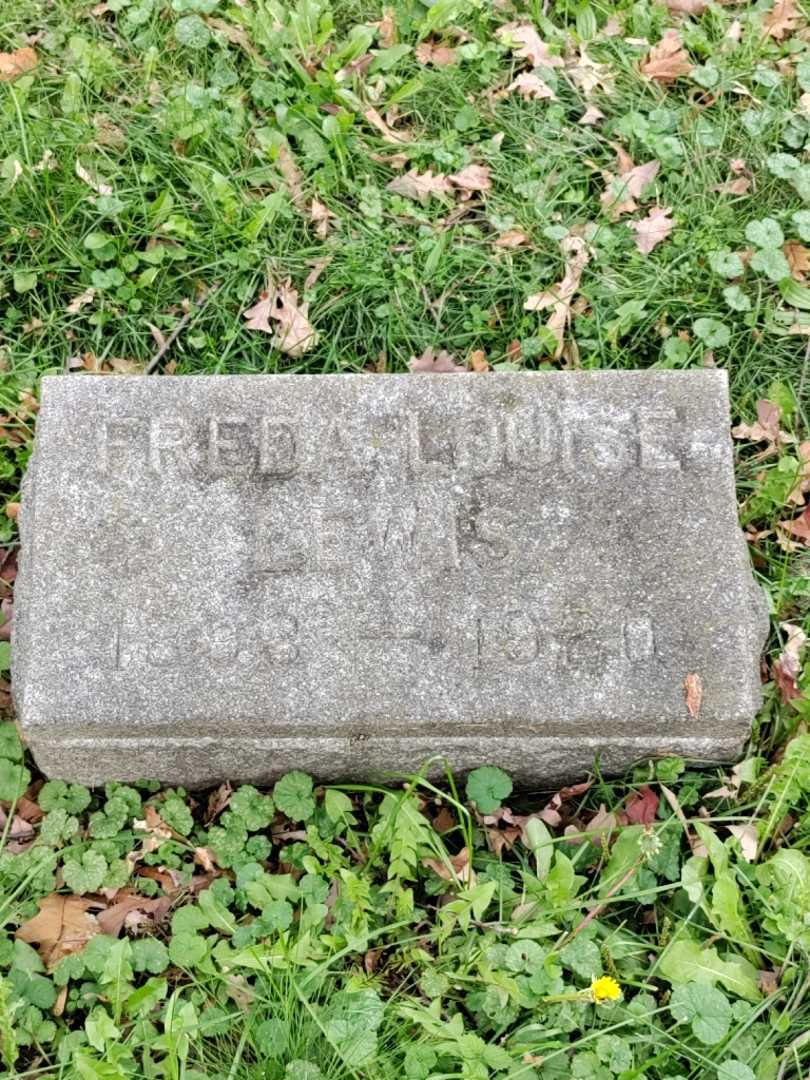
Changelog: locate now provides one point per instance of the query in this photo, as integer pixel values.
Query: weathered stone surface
(232, 577)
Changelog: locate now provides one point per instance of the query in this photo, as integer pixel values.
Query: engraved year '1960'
(528, 439)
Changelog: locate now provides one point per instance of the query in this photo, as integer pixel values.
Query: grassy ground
(406, 179)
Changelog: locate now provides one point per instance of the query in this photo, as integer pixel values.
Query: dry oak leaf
(92, 181)
(687, 7)
(293, 334)
(471, 179)
(652, 229)
(293, 178)
(80, 301)
(765, 429)
(63, 926)
(459, 868)
(642, 806)
(478, 361)
(788, 667)
(416, 185)
(321, 217)
(116, 916)
(749, 841)
(798, 257)
(387, 28)
(388, 134)
(621, 193)
(429, 52)
(739, 185)
(435, 363)
(802, 485)
(560, 297)
(17, 63)
(693, 692)
(781, 20)
(589, 75)
(512, 238)
(668, 60)
(525, 42)
(529, 85)
(591, 116)
(798, 527)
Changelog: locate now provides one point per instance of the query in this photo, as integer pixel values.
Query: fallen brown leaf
(478, 361)
(17, 63)
(321, 217)
(429, 52)
(388, 133)
(471, 179)
(434, 363)
(749, 841)
(293, 178)
(560, 297)
(92, 181)
(621, 193)
(531, 86)
(525, 42)
(460, 868)
(112, 920)
(799, 528)
(294, 333)
(318, 267)
(512, 238)
(668, 60)
(591, 116)
(739, 185)
(798, 257)
(642, 806)
(416, 185)
(217, 802)
(788, 667)
(237, 35)
(80, 301)
(768, 982)
(588, 75)
(693, 692)
(687, 7)
(802, 486)
(108, 133)
(765, 429)
(781, 20)
(62, 926)
(652, 229)
(387, 28)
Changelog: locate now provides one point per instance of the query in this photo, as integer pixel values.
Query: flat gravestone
(231, 577)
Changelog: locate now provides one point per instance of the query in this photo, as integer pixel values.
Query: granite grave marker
(231, 577)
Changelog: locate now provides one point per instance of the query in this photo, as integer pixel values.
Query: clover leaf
(60, 795)
(487, 787)
(293, 796)
(254, 809)
(192, 32)
(766, 233)
(704, 1007)
(713, 333)
(85, 875)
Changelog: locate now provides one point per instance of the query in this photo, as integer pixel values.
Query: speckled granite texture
(231, 577)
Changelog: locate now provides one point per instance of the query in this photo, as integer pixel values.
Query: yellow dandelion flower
(604, 990)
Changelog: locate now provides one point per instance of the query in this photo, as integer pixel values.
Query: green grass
(326, 938)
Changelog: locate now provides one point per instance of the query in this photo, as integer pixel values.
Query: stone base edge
(536, 761)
